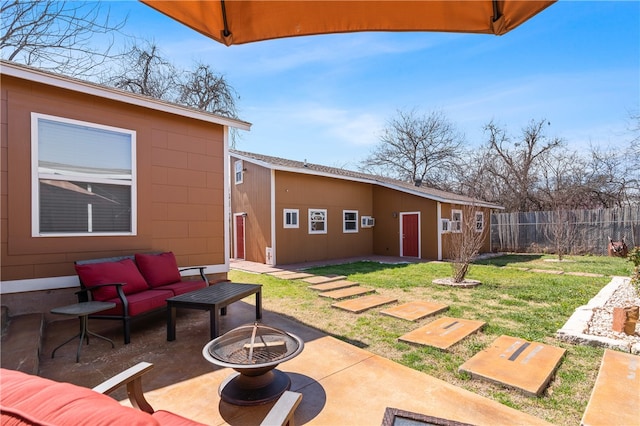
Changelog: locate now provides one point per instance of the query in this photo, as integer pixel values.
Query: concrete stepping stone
(343, 293)
(443, 332)
(290, 275)
(547, 271)
(321, 279)
(414, 311)
(615, 399)
(361, 304)
(584, 274)
(517, 363)
(333, 285)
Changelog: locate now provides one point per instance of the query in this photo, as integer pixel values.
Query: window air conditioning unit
(367, 222)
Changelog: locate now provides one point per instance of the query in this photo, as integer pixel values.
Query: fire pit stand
(253, 351)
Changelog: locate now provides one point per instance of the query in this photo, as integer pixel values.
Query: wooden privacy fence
(578, 231)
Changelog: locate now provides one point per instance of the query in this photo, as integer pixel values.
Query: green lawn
(512, 301)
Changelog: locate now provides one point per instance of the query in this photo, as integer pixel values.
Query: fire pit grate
(253, 351)
(253, 345)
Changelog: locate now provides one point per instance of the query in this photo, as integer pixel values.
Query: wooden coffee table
(213, 299)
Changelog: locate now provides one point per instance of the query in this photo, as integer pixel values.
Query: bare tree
(202, 88)
(466, 242)
(515, 166)
(562, 231)
(144, 71)
(422, 149)
(57, 35)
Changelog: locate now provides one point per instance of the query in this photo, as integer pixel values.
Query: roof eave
(63, 82)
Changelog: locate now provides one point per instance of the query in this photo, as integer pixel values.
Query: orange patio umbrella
(245, 21)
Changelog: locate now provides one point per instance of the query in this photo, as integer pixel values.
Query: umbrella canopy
(245, 21)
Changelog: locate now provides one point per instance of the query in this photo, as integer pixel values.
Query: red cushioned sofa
(137, 284)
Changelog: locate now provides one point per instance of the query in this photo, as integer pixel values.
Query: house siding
(252, 197)
(388, 205)
(302, 192)
(180, 183)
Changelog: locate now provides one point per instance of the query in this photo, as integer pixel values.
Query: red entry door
(409, 235)
(239, 236)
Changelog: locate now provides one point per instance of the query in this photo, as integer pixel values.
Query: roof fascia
(272, 166)
(93, 89)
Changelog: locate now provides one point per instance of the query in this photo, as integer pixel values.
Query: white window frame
(456, 224)
(36, 176)
(291, 213)
(479, 221)
(238, 176)
(345, 221)
(445, 225)
(312, 214)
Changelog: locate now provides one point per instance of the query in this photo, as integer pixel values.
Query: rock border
(574, 329)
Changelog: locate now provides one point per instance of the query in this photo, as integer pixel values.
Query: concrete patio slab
(334, 285)
(290, 275)
(443, 332)
(414, 311)
(341, 385)
(615, 398)
(321, 279)
(362, 304)
(517, 363)
(343, 293)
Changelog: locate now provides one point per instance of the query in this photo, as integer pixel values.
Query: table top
(83, 308)
(217, 293)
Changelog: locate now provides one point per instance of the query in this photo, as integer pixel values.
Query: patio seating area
(340, 383)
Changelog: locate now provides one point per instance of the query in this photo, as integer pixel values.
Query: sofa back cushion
(122, 271)
(28, 399)
(158, 269)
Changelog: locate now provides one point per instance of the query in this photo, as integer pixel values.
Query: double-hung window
(456, 220)
(238, 172)
(291, 218)
(84, 178)
(349, 221)
(479, 221)
(317, 221)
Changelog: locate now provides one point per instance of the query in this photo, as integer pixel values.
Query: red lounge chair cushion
(26, 398)
(123, 271)
(158, 269)
(184, 286)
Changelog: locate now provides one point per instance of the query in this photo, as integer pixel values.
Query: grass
(511, 301)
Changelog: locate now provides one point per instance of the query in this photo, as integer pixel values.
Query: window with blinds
(84, 178)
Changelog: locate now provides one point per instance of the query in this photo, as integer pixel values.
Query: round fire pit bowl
(253, 350)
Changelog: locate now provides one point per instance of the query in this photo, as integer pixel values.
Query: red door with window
(239, 236)
(409, 233)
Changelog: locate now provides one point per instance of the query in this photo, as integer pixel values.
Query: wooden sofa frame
(83, 294)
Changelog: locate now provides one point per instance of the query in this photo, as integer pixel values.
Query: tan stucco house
(287, 212)
(90, 171)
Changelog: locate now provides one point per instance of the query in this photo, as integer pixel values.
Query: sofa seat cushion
(122, 271)
(27, 399)
(184, 286)
(168, 418)
(158, 269)
(140, 303)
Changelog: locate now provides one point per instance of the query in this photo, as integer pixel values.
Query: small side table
(82, 311)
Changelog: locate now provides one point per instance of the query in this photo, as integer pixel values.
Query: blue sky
(327, 98)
